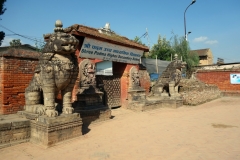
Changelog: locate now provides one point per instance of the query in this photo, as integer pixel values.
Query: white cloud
(205, 40)
(200, 39)
(6, 41)
(211, 42)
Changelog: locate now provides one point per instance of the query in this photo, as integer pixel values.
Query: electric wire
(27, 37)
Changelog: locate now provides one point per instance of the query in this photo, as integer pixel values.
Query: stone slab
(49, 131)
(93, 115)
(13, 130)
(137, 106)
(151, 104)
(28, 115)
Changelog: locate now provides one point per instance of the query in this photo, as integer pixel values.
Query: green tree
(182, 48)
(162, 49)
(138, 40)
(2, 10)
(15, 43)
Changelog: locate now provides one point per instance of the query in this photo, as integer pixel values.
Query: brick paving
(205, 132)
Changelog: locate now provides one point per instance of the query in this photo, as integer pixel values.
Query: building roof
(85, 31)
(201, 52)
(22, 51)
(23, 46)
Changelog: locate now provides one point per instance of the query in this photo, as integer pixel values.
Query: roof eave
(74, 30)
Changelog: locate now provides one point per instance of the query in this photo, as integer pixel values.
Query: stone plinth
(13, 130)
(90, 99)
(151, 104)
(137, 106)
(136, 95)
(172, 103)
(156, 102)
(91, 108)
(27, 115)
(94, 114)
(136, 99)
(48, 131)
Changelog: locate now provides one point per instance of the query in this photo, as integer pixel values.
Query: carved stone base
(136, 95)
(136, 99)
(94, 114)
(155, 103)
(172, 103)
(28, 115)
(90, 107)
(89, 100)
(13, 130)
(137, 106)
(48, 131)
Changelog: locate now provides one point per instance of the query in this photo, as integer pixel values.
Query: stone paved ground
(210, 131)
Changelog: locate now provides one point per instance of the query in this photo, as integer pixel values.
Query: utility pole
(148, 38)
(156, 64)
(185, 32)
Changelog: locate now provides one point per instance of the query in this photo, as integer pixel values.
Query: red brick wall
(221, 78)
(16, 74)
(1, 85)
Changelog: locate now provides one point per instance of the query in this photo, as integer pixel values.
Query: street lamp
(185, 34)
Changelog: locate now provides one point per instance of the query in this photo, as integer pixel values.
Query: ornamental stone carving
(57, 71)
(87, 73)
(134, 81)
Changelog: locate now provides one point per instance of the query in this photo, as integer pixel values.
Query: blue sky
(214, 24)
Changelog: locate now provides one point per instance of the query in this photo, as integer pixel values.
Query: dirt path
(210, 131)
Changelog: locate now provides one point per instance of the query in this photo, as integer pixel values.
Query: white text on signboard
(102, 50)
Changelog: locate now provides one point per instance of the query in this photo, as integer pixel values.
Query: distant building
(205, 56)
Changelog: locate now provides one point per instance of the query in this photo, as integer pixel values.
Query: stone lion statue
(169, 80)
(57, 71)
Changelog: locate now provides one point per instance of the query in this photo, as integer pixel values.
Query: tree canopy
(2, 10)
(162, 49)
(15, 43)
(138, 40)
(181, 46)
(165, 49)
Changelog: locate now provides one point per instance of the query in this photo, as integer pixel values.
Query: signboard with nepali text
(92, 48)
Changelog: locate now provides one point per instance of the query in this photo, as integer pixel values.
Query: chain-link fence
(154, 67)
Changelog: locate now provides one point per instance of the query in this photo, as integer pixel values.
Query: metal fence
(154, 66)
